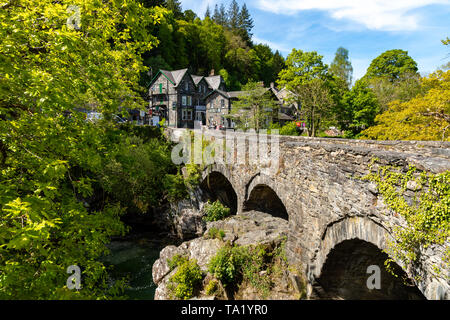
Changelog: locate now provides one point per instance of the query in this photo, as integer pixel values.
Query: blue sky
(366, 28)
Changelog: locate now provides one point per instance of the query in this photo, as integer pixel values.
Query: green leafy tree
(233, 15)
(54, 60)
(208, 12)
(305, 76)
(253, 107)
(425, 117)
(360, 108)
(341, 66)
(175, 7)
(406, 87)
(391, 64)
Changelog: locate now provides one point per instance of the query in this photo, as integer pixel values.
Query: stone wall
(318, 181)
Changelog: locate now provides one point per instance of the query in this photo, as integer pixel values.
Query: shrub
(193, 174)
(215, 211)
(215, 233)
(176, 260)
(188, 276)
(289, 129)
(175, 186)
(212, 287)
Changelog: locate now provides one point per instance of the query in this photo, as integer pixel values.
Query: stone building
(188, 101)
(179, 97)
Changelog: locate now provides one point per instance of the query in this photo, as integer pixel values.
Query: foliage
(176, 261)
(342, 67)
(215, 211)
(360, 107)
(392, 64)
(253, 107)
(187, 277)
(134, 173)
(406, 87)
(258, 265)
(289, 129)
(427, 217)
(193, 175)
(212, 287)
(214, 233)
(426, 117)
(51, 158)
(226, 264)
(174, 185)
(221, 41)
(306, 77)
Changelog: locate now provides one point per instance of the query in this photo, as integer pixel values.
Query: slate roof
(213, 81)
(196, 79)
(175, 76)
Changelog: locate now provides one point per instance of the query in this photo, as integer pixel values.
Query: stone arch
(262, 194)
(217, 185)
(348, 248)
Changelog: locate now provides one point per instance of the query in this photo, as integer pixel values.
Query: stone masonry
(318, 182)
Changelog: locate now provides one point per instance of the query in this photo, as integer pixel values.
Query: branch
(437, 115)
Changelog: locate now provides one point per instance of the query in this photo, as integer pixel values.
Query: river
(134, 258)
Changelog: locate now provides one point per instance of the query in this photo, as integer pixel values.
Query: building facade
(189, 101)
(179, 97)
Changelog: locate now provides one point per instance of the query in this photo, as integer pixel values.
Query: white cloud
(391, 15)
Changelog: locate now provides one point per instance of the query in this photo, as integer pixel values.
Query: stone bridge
(339, 224)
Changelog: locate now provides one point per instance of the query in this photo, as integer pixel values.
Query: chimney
(272, 85)
(211, 73)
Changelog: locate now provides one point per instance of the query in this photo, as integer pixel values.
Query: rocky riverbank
(272, 279)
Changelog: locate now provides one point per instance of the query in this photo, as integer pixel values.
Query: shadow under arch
(263, 198)
(349, 246)
(216, 186)
(346, 274)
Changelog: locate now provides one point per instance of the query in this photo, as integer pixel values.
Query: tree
(306, 77)
(253, 107)
(360, 108)
(153, 3)
(406, 87)
(341, 66)
(189, 15)
(278, 64)
(50, 156)
(220, 15)
(426, 117)
(175, 7)
(392, 64)
(245, 20)
(208, 12)
(233, 15)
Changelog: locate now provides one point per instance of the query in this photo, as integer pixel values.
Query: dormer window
(186, 86)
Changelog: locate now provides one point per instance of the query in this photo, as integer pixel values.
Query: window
(186, 115)
(222, 103)
(186, 86)
(183, 100)
(189, 101)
